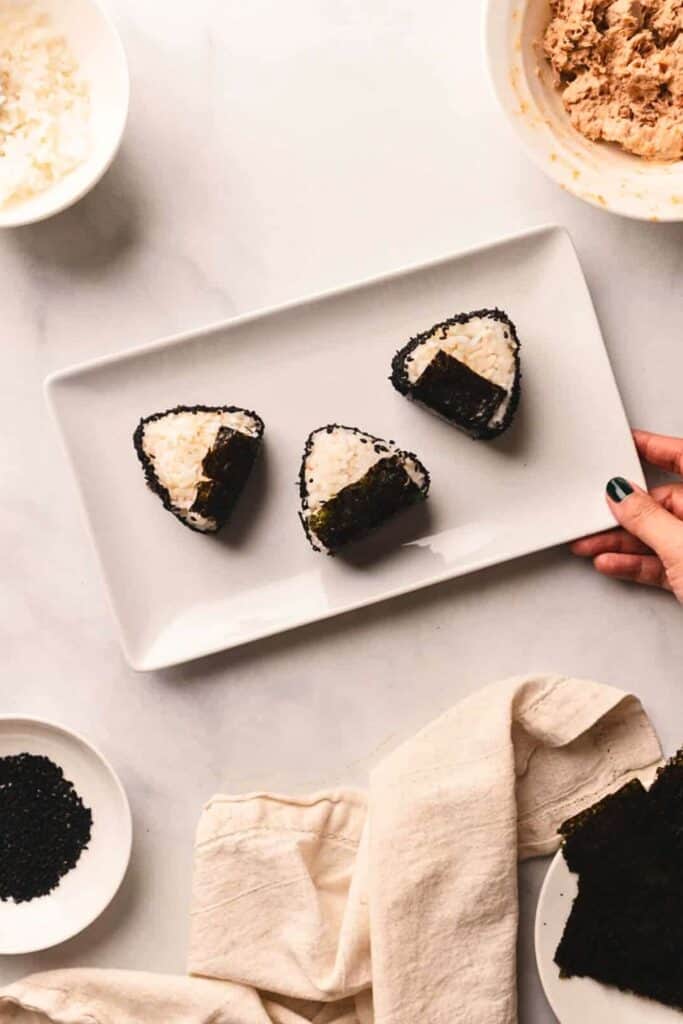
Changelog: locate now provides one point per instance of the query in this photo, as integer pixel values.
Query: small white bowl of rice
(64, 90)
(600, 172)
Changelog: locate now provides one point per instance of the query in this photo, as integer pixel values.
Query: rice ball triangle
(466, 369)
(351, 482)
(197, 460)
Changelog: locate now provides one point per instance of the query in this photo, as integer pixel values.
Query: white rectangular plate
(178, 595)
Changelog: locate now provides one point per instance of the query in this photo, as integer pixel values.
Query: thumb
(646, 519)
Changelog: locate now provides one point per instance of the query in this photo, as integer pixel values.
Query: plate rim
(56, 382)
(57, 377)
(72, 734)
(547, 881)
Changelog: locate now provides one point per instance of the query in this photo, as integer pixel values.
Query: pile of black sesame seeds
(44, 826)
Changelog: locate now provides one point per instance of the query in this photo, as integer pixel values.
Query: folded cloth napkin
(291, 895)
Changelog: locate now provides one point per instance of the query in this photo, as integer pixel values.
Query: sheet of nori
(626, 924)
(455, 391)
(594, 839)
(228, 465)
(666, 797)
(383, 491)
(629, 939)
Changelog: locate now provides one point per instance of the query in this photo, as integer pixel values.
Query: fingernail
(618, 488)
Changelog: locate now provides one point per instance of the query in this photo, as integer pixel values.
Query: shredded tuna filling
(619, 66)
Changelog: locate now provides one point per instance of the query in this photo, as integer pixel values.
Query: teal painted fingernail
(618, 488)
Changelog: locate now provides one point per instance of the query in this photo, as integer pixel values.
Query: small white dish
(178, 595)
(89, 887)
(581, 1000)
(98, 49)
(601, 173)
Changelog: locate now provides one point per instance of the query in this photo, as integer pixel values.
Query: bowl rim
(13, 217)
(490, 10)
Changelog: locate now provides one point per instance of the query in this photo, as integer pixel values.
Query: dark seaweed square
(385, 489)
(455, 391)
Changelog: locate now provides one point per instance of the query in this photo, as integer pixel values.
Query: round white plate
(87, 889)
(582, 1000)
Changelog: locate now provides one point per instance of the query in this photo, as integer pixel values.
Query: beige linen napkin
(290, 895)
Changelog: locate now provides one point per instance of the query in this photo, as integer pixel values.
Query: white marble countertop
(275, 150)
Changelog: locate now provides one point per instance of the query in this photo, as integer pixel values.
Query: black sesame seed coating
(44, 826)
(453, 411)
(360, 507)
(221, 495)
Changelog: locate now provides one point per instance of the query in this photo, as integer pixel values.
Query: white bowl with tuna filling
(601, 173)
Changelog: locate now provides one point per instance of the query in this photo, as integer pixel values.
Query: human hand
(648, 546)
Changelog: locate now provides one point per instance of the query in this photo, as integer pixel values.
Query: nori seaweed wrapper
(626, 924)
(357, 509)
(455, 391)
(452, 389)
(227, 464)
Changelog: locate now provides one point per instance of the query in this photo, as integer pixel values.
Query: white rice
(44, 103)
(177, 445)
(481, 344)
(343, 457)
